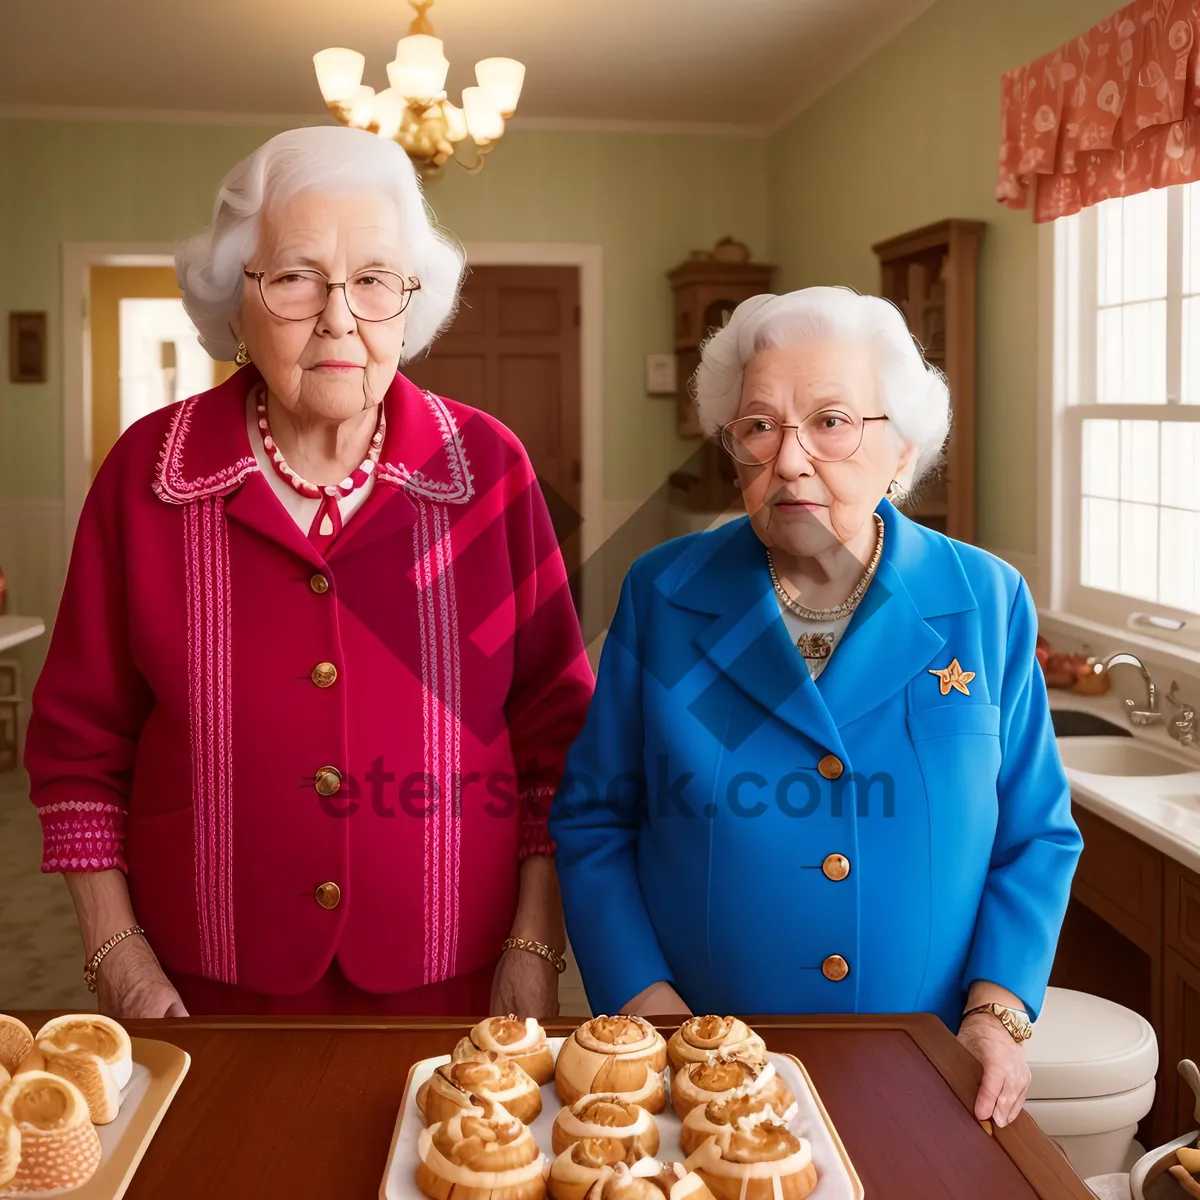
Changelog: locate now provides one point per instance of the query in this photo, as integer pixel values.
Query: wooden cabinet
(930, 275)
(1132, 935)
(706, 293)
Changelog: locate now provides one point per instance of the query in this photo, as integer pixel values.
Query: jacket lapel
(890, 640)
(725, 576)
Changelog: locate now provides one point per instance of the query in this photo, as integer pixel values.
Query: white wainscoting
(34, 560)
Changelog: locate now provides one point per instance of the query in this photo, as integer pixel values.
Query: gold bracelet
(93, 964)
(539, 948)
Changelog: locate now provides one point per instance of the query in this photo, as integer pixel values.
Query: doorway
(514, 352)
(144, 350)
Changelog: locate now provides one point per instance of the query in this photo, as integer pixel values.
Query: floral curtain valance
(1114, 112)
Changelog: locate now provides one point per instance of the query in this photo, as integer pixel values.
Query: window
(1127, 276)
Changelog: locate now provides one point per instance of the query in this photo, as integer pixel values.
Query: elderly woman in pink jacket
(317, 664)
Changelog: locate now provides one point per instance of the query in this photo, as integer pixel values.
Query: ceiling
(741, 65)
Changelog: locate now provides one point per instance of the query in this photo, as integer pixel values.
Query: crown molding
(518, 124)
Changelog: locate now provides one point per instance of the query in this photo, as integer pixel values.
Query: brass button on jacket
(836, 867)
(319, 584)
(830, 766)
(329, 895)
(324, 674)
(328, 781)
(835, 968)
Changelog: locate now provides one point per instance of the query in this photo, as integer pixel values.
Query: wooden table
(14, 630)
(305, 1107)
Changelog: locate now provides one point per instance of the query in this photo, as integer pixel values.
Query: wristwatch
(1014, 1020)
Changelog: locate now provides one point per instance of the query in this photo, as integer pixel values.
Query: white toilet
(1093, 1065)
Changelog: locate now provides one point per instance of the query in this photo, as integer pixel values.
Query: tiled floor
(41, 956)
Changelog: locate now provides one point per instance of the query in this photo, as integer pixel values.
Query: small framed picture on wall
(27, 347)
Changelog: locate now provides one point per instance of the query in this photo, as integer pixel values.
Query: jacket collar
(206, 451)
(889, 640)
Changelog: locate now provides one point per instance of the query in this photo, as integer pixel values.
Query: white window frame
(1067, 361)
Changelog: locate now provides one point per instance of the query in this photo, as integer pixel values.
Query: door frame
(79, 258)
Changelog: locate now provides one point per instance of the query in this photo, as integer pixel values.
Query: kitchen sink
(1118, 756)
(1068, 722)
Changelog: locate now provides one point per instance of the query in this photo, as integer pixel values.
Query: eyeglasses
(827, 436)
(303, 295)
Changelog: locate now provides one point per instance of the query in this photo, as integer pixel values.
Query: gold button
(830, 766)
(324, 674)
(836, 867)
(328, 781)
(319, 584)
(329, 895)
(835, 968)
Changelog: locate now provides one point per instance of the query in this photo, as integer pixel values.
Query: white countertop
(14, 629)
(1162, 810)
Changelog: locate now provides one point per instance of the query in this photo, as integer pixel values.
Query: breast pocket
(958, 748)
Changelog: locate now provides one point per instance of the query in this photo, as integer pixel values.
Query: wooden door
(513, 351)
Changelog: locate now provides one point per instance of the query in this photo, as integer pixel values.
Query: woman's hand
(130, 983)
(658, 1000)
(1005, 1072)
(525, 985)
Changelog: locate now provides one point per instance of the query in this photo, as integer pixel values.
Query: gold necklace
(848, 605)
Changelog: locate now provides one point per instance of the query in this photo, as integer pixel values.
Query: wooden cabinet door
(1180, 1039)
(513, 351)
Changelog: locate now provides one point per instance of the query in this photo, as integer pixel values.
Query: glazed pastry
(58, 1144)
(480, 1153)
(625, 1056)
(715, 1118)
(605, 1117)
(725, 1077)
(475, 1073)
(16, 1041)
(756, 1159)
(698, 1037)
(94, 1053)
(648, 1179)
(579, 1166)
(523, 1041)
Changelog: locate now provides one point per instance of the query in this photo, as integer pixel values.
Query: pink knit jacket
(179, 732)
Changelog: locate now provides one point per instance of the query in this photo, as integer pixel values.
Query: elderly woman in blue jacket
(818, 774)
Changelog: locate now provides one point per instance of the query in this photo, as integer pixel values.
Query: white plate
(836, 1177)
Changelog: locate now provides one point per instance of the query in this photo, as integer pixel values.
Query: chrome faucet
(1183, 726)
(1151, 714)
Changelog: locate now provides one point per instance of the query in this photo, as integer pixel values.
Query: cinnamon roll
(605, 1117)
(756, 1159)
(480, 1153)
(57, 1144)
(625, 1056)
(16, 1041)
(698, 1037)
(723, 1077)
(93, 1052)
(717, 1117)
(648, 1179)
(524, 1041)
(472, 1073)
(583, 1163)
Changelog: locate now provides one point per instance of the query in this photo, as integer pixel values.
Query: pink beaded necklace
(327, 523)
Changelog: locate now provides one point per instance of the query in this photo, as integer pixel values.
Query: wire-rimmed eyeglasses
(827, 436)
(303, 295)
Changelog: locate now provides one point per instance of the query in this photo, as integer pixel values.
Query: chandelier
(415, 110)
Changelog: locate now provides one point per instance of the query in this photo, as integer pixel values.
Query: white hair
(914, 394)
(328, 159)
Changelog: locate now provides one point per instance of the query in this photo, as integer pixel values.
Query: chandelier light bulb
(419, 68)
(389, 112)
(456, 121)
(484, 121)
(339, 73)
(362, 107)
(502, 79)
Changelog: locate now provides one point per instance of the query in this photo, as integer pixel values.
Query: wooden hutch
(930, 275)
(707, 290)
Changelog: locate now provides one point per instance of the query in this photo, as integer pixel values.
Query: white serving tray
(836, 1177)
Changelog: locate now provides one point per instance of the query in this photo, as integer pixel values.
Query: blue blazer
(700, 805)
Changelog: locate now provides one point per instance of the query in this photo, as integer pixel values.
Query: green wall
(647, 199)
(909, 138)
